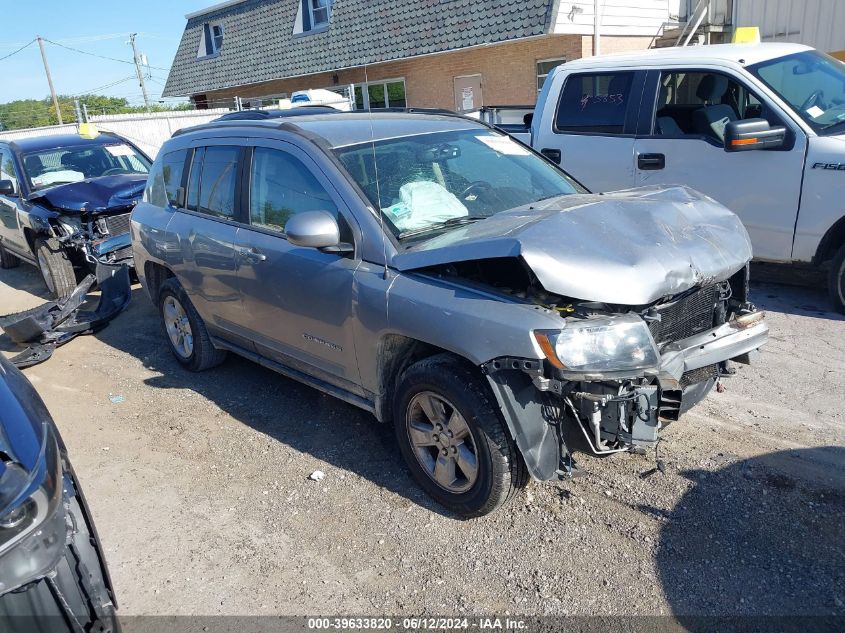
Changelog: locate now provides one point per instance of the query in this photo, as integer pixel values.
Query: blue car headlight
(33, 529)
(600, 345)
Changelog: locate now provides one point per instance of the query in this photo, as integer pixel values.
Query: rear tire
(55, 266)
(185, 330)
(836, 281)
(7, 260)
(487, 469)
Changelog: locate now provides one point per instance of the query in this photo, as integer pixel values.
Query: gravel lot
(199, 487)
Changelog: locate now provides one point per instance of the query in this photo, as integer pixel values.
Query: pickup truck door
(10, 231)
(589, 127)
(298, 301)
(683, 111)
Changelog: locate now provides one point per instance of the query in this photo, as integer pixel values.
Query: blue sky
(94, 26)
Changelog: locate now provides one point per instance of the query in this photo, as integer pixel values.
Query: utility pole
(139, 71)
(50, 80)
(596, 27)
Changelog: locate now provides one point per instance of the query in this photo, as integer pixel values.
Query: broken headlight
(70, 225)
(32, 527)
(600, 345)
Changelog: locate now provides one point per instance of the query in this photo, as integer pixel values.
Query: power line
(30, 43)
(109, 85)
(113, 59)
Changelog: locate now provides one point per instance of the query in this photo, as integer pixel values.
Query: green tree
(29, 113)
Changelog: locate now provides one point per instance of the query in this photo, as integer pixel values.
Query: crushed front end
(90, 218)
(615, 375)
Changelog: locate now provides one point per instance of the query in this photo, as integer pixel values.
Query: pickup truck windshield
(432, 182)
(813, 84)
(63, 165)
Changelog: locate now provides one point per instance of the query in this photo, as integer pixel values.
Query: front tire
(7, 260)
(55, 266)
(836, 281)
(185, 330)
(453, 438)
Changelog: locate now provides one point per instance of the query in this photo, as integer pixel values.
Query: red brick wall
(509, 72)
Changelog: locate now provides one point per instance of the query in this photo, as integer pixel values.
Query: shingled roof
(259, 44)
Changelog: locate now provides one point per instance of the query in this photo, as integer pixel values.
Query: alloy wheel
(178, 327)
(442, 442)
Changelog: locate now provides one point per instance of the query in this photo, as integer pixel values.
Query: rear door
(298, 302)
(591, 130)
(206, 228)
(762, 187)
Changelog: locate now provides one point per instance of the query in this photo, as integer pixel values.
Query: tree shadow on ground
(762, 537)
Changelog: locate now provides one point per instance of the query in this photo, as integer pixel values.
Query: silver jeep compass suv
(446, 278)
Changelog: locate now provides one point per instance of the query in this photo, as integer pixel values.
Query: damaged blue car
(53, 575)
(65, 202)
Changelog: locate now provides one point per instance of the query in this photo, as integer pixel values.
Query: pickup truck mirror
(313, 229)
(748, 134)
(7, 188)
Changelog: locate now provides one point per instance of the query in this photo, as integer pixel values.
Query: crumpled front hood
(95, 195)
(628, 247)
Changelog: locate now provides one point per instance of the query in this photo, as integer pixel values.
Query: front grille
(685, 317)
(702, 374)
(117, 224)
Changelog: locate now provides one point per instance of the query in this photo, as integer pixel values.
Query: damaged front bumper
(614, 412)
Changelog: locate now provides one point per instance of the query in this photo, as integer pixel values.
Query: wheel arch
(156, 274)
(396, 352)
(830, 243)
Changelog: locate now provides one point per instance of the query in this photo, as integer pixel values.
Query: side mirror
(748, 134)
(7, 188)
(313, 229)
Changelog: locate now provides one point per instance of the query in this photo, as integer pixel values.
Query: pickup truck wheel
(7, 260)
(186, 333)
(836, 281)
(55, 266)
(453, 438)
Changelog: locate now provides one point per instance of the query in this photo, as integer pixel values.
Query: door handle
(251, 254)
(551, 154)
(650, 162)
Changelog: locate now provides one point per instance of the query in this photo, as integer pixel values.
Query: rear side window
(165, 179)
(281, 186)
(211, 189)
(173, 164)
(594, 102)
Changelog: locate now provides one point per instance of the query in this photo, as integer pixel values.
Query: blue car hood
(95, 195)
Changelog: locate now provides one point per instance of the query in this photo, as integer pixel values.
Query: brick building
(456, 54)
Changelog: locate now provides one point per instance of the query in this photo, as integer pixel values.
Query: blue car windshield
(431, 182)
(63, 165)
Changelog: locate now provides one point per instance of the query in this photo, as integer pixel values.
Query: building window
(312, 16)
(319, 10)
(211, 39)
(544, 67)
(380, 94)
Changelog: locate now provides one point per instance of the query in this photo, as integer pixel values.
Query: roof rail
(244, 117)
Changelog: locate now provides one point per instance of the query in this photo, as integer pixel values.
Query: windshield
(431, 182)
(813, 84)
(62, 165)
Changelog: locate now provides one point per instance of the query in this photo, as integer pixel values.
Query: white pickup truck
(760, 128)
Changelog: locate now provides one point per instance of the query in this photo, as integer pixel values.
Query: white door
(763, 187)
(589, 130)
(468, 95)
